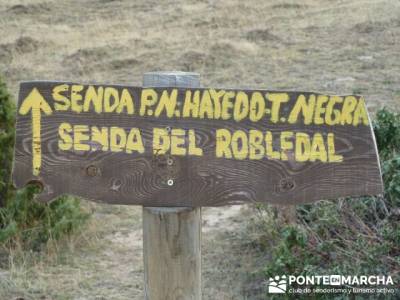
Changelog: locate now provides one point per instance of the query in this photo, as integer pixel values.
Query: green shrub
(7, 112)
(31, 224)
(353, 236)
(24, 221)
(387, 133)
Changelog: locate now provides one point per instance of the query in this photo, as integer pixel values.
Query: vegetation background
(333, 46)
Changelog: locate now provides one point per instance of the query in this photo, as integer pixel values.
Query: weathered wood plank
(172, 253)
(207, 180)
(172, 235)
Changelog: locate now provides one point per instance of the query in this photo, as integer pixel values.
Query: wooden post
(172, 236)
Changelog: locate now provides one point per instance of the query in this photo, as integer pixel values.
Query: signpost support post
(172, 235)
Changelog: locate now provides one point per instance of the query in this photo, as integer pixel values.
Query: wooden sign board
(192, 147)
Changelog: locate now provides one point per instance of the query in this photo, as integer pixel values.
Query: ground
(330, 46)
(104, 261)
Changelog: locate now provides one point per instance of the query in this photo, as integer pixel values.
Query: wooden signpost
(192, 146)
(172, 235)
(174, 144)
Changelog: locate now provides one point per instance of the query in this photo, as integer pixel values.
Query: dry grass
(325, 45)
(104, 261)
(336, 46)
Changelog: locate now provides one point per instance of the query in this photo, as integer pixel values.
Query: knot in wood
(116, 185)
(92, 171)
(286, 184)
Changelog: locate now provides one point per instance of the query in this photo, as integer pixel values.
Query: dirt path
(105, 262)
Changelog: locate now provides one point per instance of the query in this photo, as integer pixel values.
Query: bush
(387, 133)
(7, 112)
(353, 236)
(22, 220)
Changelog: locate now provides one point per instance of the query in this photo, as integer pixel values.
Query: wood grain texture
(172, 235)
(141, 179)
(172, 253)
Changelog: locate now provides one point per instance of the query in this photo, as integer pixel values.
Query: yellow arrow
(36, 103)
